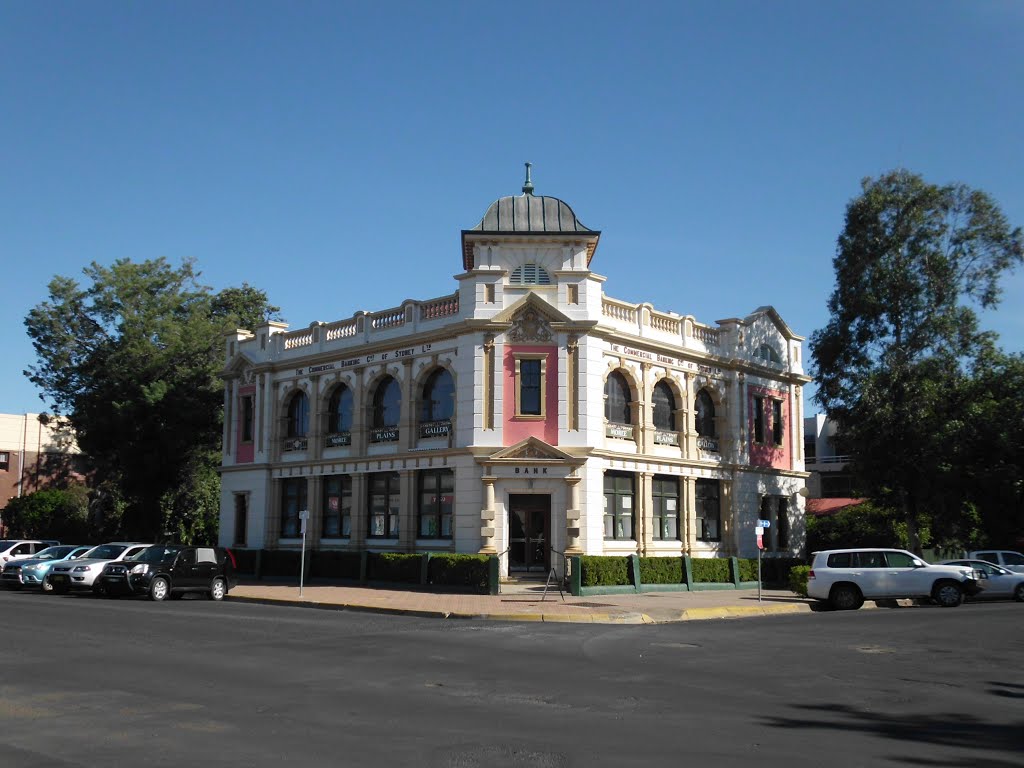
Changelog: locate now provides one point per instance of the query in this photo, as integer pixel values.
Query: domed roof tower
(528, 215)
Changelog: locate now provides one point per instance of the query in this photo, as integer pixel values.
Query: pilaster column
(689, 514)
(315, 446)
(645, 515)
(407, 421)
(407, 528)
(572, 517)
(729, 512)
(315, 505)
(360, 511)
(487, 527)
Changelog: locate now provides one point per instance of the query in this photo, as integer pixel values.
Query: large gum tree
(914, 263)
(130, 359)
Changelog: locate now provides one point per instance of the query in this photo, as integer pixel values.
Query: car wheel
(1018, 593)
(846, 597)
(99, 590)
(159, 589)
(948, 594)
(47, 586)
(218, 589)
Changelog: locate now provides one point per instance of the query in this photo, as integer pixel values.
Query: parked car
(1012, 561)
(32, 571)
(82, 573)
(995, 581)
(12, 549)
(845, 578)
(171, 570)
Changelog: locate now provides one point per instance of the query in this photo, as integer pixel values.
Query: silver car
(81, 574)
(32, 571)
(995, 581)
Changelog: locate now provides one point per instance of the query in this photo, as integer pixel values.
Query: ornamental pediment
(530, 449)
(531, 320)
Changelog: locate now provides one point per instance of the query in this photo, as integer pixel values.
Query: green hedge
(798, 579)
(711, 570)
(334, 564)
(601, 571)
(748, 569)
(458, 570)
(775, 570)
(394, 566)
(661, 570)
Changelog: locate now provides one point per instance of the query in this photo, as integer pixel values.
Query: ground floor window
(709, 511)
(437, 500)
(775, 509)
(385, 504)
(293, 501)
(618, 505)
(666, 508)
(337, 514)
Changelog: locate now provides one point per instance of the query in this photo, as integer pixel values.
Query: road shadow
(959, 730)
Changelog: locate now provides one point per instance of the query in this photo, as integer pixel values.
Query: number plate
(58, 578)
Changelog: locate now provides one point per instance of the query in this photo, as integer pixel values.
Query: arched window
(705, 414)
(438, 397)
(768, 353)
(387, 404)
(616, 400)
(339, 411)
(530, 274)
(664, 407)
(298, 415)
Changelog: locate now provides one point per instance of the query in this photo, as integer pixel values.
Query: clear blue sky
(329, 153)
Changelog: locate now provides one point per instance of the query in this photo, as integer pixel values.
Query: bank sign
(378, 357)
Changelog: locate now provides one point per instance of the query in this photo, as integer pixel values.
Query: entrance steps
(522, 583)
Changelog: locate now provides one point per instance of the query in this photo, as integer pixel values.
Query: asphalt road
(87, 682)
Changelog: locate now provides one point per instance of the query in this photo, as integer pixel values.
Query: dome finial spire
(528, 186)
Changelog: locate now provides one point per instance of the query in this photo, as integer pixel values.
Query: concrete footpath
(528, 603)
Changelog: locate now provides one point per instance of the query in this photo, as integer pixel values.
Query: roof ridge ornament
(528, 186)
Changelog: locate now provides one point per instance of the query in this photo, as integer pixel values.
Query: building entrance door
(529, 532)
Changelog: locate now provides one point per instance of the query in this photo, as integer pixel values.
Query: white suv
(847, 577)
(1013, 561)
(14, 549)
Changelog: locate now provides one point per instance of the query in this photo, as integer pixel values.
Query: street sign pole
(303, 516)
(759, 532)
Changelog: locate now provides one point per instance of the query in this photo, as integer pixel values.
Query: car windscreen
(53, 553)
(106, 551)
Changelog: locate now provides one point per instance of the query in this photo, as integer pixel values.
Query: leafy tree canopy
(914, 262)
(131, 360)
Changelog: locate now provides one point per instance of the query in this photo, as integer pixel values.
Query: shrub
(798, 579)
(748, 569)
(599, 571)
(661, 570)
(334, 564)
(710, 570)
(394, 566)
(458, 570)
(775, 570)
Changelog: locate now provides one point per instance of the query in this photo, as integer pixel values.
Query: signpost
(759, 531)
(303, 517)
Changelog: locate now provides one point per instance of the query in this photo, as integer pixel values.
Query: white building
(526, 414)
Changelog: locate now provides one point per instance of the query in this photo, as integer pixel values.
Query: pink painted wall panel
(546, 429)
(767, 454)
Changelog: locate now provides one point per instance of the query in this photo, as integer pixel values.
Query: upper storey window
(387, 404)
(530, 274)
(339, 418)
(617, 408)
(298, 415)
(768, 353)
(664, 407)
